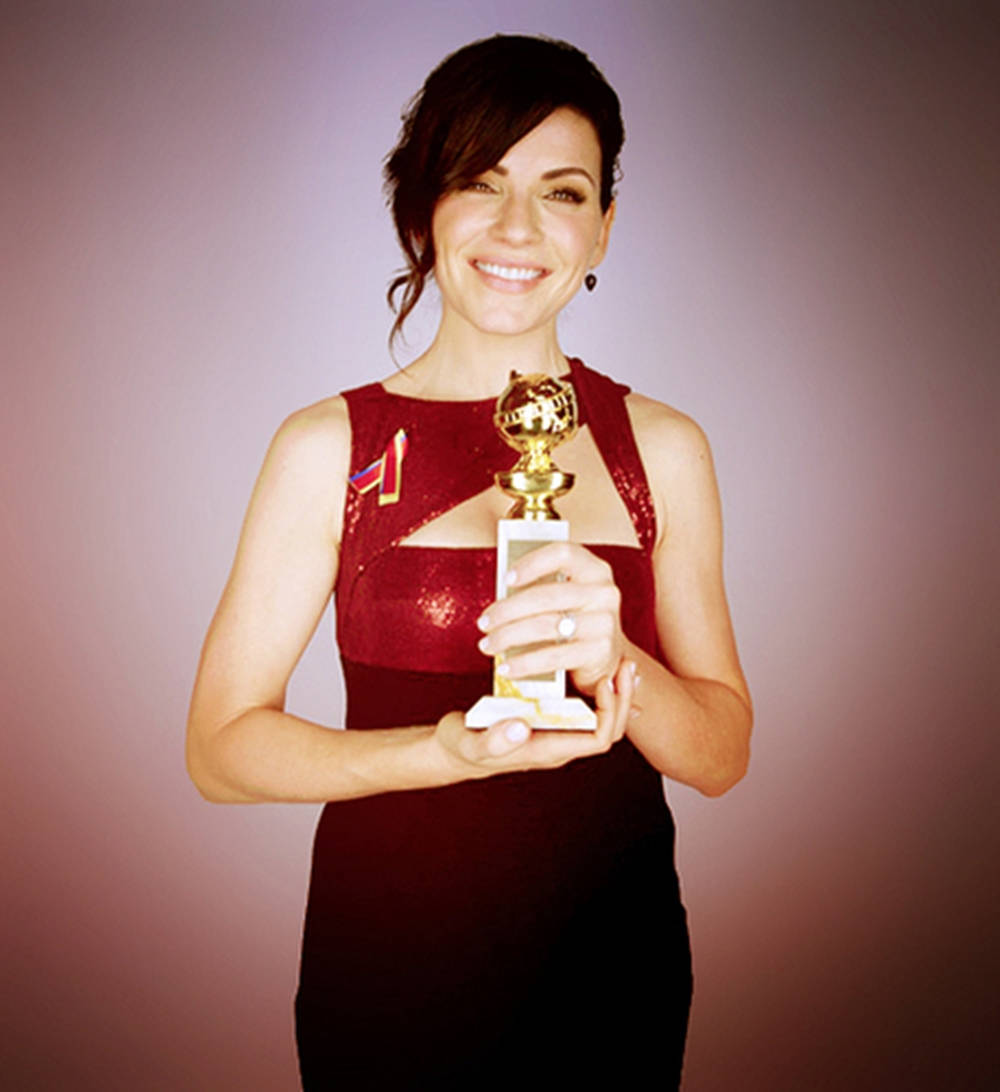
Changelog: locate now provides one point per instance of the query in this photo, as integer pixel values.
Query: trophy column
(534, 414)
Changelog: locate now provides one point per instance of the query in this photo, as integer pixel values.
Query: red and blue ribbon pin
(386, 472)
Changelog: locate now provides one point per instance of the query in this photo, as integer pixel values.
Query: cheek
(454, 217)
(437, 233)
(441, 222)
(581, 239)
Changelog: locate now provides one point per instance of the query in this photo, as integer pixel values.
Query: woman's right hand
(510, 745)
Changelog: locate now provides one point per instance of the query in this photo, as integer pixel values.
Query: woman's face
(513, 246)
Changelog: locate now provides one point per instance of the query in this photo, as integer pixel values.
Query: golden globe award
(534, 414)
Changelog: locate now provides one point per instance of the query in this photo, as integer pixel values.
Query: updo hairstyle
(480, 101)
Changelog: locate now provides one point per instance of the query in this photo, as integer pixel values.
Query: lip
(520, 276)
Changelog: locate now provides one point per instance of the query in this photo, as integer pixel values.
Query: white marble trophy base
(540, 701)
(554, 714)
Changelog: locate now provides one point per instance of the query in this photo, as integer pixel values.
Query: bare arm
(691, 715)
(242, 747)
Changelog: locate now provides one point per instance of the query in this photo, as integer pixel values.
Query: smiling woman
(474, 107)
(513, 246)
(496, 907)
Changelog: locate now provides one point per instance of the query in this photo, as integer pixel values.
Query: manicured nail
(510, 577)
(517, 731)
(502, 669)
(484, 645)
(483, 622)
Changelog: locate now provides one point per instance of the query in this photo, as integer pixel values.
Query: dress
(526, 927)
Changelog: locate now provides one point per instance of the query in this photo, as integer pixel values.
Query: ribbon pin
(386, 472)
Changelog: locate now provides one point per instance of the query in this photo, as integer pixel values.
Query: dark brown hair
(480, 101)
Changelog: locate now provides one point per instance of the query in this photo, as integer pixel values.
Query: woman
(498, 905)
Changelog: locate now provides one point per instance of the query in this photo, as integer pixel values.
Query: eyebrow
(557, 172)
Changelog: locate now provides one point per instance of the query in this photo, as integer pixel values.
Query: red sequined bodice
(415, 607)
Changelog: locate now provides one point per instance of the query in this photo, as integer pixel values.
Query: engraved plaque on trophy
(534, 414)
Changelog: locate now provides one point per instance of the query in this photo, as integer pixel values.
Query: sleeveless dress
(522, 928)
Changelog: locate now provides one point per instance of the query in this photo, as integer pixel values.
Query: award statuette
(534, 414)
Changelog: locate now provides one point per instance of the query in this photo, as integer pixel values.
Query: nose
(516, 220)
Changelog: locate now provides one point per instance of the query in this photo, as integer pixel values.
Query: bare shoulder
(308, 460)
(678, 463)
(317, 433)
(672, 444)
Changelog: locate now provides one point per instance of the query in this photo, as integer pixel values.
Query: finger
(505, 737)
(604, 700)
(625, 689)
(548, 629)
(570, 656)
(571, 560)
(511, 744)
(613, 696)
(607, 703)
(500, 739)
(568, 598)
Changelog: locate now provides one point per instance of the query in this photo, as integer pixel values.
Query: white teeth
(509, 272)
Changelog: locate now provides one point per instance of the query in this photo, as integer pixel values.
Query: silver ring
(566, 626)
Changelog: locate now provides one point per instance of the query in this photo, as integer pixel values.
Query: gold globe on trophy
(534, 414)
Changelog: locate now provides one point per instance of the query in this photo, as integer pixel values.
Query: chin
(507, 328)
(510, 322)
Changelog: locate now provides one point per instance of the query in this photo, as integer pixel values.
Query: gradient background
(805, 259)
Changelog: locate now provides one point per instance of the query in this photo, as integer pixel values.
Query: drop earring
(590, 281)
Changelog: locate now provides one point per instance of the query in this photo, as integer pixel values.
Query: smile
(509, 272)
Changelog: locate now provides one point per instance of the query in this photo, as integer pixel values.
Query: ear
(601, 246)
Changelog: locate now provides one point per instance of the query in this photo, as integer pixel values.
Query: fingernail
(484, 645)
(633, 714)
(517, 731)
(502, 669)
(510, 577)
(483, 621)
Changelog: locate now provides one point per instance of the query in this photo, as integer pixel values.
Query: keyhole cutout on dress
(594, 507)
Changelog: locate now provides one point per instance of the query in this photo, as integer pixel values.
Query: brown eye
(567, 193)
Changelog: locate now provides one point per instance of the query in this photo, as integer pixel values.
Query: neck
(465, 363)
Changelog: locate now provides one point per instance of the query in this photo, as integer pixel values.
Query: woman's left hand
(565, 605)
